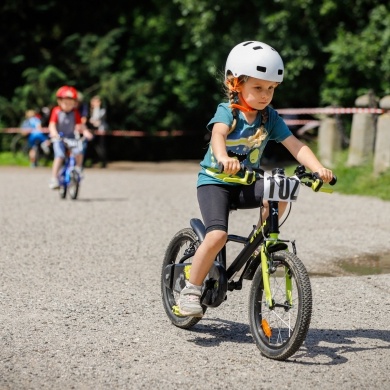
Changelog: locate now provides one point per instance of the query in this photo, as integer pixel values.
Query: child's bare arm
(218, 144)
(306, 157)
(53, 130)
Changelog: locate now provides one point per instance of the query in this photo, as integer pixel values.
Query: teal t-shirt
(237, 143)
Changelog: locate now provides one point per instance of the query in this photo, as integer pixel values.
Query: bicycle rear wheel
(184, 242)
(62, 191)
(280, 331)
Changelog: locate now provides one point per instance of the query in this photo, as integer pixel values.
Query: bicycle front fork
(270, 246)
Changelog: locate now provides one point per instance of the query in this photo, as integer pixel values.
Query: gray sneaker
(45, 148)
(54, 184)
(80, 172)
(189, 302)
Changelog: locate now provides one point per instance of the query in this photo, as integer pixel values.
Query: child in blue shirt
(35, 136)
(240, 131)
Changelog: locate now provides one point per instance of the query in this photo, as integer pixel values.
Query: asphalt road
(80, 304)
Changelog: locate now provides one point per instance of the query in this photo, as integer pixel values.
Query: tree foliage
(158, 65)
(359, 61)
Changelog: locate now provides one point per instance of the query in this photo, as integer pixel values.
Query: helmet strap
(245, 107)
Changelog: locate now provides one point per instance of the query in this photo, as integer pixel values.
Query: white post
(361, 147)
(382, 143)
(329, 141)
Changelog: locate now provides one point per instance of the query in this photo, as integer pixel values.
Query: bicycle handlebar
(314, 180)
(69, 142)
(250, 175)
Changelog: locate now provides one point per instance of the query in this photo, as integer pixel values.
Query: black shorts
(215, 202)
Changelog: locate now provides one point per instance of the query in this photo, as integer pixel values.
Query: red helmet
(67, 92)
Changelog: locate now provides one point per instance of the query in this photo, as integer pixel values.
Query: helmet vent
(247, 43)
(257, 47)
(261, 69)
(280, 71)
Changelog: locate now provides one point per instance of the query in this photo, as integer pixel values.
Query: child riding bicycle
(65, 120)
(35, 136)
(240, 131)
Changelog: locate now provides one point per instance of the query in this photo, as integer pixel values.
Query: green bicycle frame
(274, 238)
(270, 241)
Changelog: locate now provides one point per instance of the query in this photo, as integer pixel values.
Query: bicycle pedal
(176, 311)
(234, 285)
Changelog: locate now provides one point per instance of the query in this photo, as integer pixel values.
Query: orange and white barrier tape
(300, 122)
(281, 111)
(330, 111)
(117, 133)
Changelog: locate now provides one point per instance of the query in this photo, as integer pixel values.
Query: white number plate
(281, 188)
(71, 143)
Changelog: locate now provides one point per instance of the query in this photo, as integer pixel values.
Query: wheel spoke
(289, 317)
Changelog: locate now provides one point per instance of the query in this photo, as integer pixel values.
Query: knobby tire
(184, 239)
(287, 326)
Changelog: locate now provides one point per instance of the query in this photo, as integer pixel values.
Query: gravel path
(80, 304)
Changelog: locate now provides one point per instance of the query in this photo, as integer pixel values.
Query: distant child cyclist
(65, 119)
(35, 136)
(240, 131)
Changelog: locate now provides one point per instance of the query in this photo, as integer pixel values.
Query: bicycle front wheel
(280, 329)
(74, 185)
(19, 144)
(183, 243)
(63, 183)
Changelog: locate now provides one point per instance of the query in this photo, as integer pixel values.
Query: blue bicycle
(69, 176)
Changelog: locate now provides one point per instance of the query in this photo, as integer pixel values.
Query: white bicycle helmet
(255, 59)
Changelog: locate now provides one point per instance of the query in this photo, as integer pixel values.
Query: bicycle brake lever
(317, 183)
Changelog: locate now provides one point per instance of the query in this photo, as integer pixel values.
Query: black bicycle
(280, 299)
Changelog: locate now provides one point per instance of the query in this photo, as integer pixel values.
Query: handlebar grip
(333, 181)
(222, 168)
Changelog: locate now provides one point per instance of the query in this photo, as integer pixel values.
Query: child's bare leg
(205, 256)
(57, 163)
(79, 160)
(265, 211)
(31, 154)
